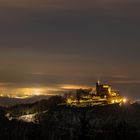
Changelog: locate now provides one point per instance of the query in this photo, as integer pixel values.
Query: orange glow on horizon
(28, 92)
(22, 93)
(74, 87)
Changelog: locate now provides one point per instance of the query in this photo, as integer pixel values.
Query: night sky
(52, 44)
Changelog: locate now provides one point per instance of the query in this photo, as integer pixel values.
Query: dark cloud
(70, 42)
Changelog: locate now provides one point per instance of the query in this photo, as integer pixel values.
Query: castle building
(103, 95)
(103, 90)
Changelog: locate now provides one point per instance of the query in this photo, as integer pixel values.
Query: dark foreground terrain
(61, 122)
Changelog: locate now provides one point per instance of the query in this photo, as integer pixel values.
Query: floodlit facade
(101, 96)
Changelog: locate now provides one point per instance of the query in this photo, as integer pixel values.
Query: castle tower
(98, 88)
(103, 89)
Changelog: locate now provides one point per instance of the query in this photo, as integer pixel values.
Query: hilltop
(54, 121)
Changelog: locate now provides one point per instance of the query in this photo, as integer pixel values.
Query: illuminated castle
(103, 95)
(103, 90)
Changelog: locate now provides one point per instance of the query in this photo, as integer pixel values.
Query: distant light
(124, 100)
(112, 101)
